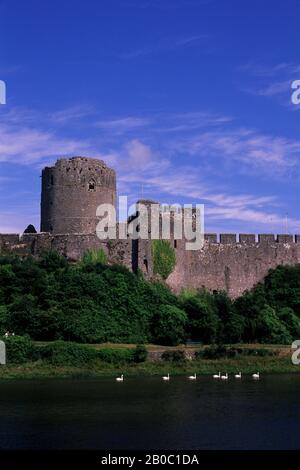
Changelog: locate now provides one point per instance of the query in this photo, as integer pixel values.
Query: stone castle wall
(227, 262)
(232, 263)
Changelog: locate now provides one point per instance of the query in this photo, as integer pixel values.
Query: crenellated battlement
(250, 239)
(12, 240)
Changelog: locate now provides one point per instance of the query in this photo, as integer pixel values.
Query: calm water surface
(145, 413)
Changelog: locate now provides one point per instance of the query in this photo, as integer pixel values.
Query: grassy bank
(280, 362)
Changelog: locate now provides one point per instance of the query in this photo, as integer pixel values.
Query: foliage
(19, 349)
(61, 353)
(49, 299)
(203, 320)
(140, 353)
(164, 258)
(222, 352)
(30, 229)
(94, 257)
(116, 356)
(169, 325)
(212, 352)
(91, 302)
(173, 356)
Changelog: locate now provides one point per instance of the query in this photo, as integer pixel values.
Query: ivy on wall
(164, 258)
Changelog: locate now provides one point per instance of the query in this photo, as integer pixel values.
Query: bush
(173, 356)
(169, 326)
(270, 329)
(116, 356)
(220, 352)
(140, 353)
(261, 352)
(62, 353)
(19, 349)
(203, 320)
(212, 352)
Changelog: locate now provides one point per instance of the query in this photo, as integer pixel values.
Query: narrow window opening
(146, 264)
(92, 185)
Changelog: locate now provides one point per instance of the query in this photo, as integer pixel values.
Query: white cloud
(70, 114)
(247, 147)
(119, 126)
(27, 145)
(272, 80)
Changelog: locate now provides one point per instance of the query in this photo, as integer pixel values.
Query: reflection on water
(146, 413)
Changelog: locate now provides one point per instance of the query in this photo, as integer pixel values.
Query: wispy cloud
(182, 182)
(273, 81)
(190, 121)
(70, 114)
(248, 148)
(30, 145)
(176, 156)
(273, 89)
(166, 45)
(119, 126)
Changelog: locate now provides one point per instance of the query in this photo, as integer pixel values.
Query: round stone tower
(72, 190)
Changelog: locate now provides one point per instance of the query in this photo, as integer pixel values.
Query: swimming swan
(193, 377)
(217, 376)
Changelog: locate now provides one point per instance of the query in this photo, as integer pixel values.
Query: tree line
(90, 302)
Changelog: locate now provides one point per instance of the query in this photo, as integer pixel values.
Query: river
(146, 413)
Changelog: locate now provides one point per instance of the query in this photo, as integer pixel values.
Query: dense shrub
(61, 353)
(88, 302)
(212, 352)
(222, 352)
(169, 325)
(91, 302)
(140, 353)
(19, 349)
(173, 356)
(203, 320)
(116, 356)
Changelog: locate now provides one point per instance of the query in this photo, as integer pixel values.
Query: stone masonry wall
(229, 263)
(232, 264)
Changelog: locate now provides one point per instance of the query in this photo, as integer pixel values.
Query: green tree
(168, 326)
(203, 320)
(269, 328)
(290, 320)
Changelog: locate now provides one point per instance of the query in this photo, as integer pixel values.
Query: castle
(72, 190)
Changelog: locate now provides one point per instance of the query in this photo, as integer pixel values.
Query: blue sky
(189, 100)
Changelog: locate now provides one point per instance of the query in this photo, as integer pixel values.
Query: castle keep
(71, 192)
(73, 189)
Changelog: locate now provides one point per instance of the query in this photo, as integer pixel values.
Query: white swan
(255, 376)
(217, 376)
(224, 377)
(120, 379)
(193, 377)
(238, 376)
(166, 377)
